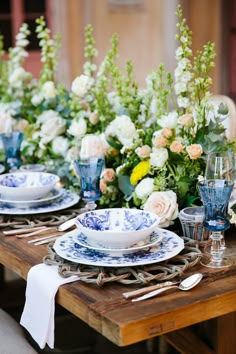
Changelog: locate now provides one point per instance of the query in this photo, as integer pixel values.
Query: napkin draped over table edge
(38, 315)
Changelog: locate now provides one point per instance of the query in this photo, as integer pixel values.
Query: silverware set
(54, 231)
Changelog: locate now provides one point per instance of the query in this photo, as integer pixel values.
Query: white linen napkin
(43, 282)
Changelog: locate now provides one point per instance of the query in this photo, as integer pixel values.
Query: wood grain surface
(124, 322)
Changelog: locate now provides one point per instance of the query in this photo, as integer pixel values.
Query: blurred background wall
(146, 30)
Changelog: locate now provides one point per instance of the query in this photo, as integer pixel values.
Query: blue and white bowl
(118, 227)
(26, 185)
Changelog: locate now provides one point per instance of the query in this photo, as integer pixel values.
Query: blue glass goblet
(88, 171)
(12, 143)
(215, 195)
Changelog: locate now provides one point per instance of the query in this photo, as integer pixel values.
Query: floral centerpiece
(155, 137)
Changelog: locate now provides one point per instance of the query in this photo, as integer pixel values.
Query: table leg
(225, 338)
(1, 276)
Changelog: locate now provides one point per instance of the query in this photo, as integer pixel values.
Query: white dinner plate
(67, 200)
(52, 196)
(67, 248)
(152, 241)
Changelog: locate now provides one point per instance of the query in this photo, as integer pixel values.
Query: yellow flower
(139, 171)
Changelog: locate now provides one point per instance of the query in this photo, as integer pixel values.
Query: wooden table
(124, 322)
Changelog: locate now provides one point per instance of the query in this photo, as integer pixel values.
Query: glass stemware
(220, 166)
(12, 143)
(215, 195)
(89, 170)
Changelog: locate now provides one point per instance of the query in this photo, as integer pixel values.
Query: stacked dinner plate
(118, 237)
(33, 192)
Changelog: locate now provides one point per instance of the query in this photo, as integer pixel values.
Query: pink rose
(143, 151)
(163, 204)
(108, 175)
(176, 147)
(186, 120)
(194, 151)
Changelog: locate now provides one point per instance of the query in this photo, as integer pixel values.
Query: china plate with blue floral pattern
(68, 249)
(52, 196)
(67, 200)
(151, 241)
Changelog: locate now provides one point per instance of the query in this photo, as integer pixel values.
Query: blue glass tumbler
(215, 195)
(11, 144)
(88, 171)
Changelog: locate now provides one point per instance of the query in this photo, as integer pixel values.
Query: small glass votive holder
(191, 219)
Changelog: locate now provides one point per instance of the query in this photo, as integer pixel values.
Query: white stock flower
(144, 188)
(81, 85)
(78, 128)
(183, 101)
(169, 120)
(158, 157)
(49, 90)
(16, 77)
(60, 145)
(163, 204)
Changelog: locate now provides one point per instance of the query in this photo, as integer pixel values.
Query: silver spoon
(185, 284)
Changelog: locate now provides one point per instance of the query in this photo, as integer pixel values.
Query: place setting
(27, 192)
(118, 237)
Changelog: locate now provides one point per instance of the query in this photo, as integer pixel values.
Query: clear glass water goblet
(88, 170)
(215, 195)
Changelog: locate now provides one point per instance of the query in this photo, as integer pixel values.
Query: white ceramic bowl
(26, 185)
(118, 227)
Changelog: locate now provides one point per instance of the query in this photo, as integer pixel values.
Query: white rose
(60, 145)
(123, 128)
(6, 122)
(78, 128)
(144, 188)
(46, 116)
(36, 99)
(169, 121)
(81, 85)
(51, 128)
(91, 146)
(49, 90)
(158, 157)
(163, 204)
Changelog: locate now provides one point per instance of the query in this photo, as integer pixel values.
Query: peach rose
(186, 120)
(160, 142)
(108, 175)
(93, 118)
(103, 186)
(167, 133)
(176, 147)
(194, 151)
(143, 151)
(84, 105)
(163, 204)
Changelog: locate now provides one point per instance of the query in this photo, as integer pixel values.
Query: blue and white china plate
(152, 241)
(2, 168)
(67, 200)
(67, 248)
(51, 197)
